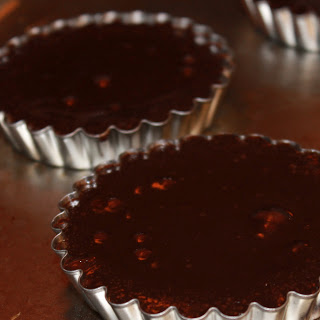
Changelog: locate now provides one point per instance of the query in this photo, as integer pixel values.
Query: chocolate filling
(218, 222)
(103, 75)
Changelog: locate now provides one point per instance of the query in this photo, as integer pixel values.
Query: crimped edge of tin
(294, 30)
(297, 306)
(81, 150)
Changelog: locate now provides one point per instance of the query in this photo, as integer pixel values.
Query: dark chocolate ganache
(213, 222)
(102, 75)
(297, 6)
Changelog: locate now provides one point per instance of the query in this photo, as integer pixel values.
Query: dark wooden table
(275, 91)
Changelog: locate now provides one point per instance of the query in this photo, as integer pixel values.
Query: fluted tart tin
(81, 148)
(294, 29)
(277, 231)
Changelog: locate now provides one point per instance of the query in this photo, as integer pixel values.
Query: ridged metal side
(80, 150)
(294, 30)
(296, 307)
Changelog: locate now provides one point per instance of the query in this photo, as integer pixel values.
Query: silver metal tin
(296, 307)
(294, 30)
(80, 150)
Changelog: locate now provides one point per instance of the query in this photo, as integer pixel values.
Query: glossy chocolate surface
(98, 76)
(297, 6)
(218, 223)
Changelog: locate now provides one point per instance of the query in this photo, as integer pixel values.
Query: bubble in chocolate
(98, 205)
(140, 237)
(260, 235)
(138, 190)
(271, 219)
(299, 246)
(69, 101)
(128, 215)
(163, 184)
(113, 205)
(143, 254)
(100, 237)
(102, 81)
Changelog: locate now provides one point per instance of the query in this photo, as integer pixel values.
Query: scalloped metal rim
(255, 311)
(81, 150)
(294, 30)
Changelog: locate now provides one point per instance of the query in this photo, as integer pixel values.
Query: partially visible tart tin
(150, 88)
(210, 228)
(295, 23)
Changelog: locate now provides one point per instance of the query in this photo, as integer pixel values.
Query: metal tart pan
(81, 150)
(294, 30)
(296, 307)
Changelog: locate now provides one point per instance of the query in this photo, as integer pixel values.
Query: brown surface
(275, 91)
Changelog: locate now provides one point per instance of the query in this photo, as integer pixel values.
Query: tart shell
(294, 30)
(297, 306)
(81, 150)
